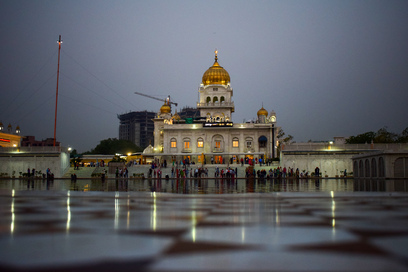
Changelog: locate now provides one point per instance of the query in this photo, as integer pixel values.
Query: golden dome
(262, 111)
(216, 74)
(176, 116)
(165, 108)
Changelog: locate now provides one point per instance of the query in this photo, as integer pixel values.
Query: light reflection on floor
(209, 186)
(152, 231)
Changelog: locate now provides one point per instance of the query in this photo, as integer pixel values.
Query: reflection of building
(212, 135)
(8, 138)
(137, 127)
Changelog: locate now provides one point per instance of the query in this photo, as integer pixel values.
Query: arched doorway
(367, 168)
(373, 168)
(381, 167)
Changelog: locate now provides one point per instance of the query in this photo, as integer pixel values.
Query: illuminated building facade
(213, 136)
(8, 138)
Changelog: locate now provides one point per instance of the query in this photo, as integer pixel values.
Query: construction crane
(167, 100)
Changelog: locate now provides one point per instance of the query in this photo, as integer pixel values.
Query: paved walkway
(129, 231)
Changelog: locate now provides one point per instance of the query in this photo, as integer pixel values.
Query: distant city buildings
(137, 127)
(31, 141)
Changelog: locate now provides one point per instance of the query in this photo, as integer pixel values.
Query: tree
(74, 154)
(403, 137)
(384, 136)
(112, 146)
(361, 138)
(283, 140)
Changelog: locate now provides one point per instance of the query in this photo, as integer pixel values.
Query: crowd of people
(284, 172)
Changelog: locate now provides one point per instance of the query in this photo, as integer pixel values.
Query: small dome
(262, 111)
(176, 117)
(165, 108)
(216, 74)
(148, 150)
(18, 128)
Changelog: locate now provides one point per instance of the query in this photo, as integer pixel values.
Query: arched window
(208, 119)
(235, 142)
(262, 141)
(200, 143)
(215, 99)
(218, 143)
(222, 99)
(208, 99)
(249, 142)
(173, 143)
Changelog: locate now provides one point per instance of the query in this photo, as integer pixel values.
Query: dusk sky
(327, 68)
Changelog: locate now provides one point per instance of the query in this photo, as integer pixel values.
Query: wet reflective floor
(67, 230)
(208, 186)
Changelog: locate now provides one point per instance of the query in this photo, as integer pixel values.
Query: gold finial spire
(216, 52)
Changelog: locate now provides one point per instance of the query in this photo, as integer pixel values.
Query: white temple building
(213, 136)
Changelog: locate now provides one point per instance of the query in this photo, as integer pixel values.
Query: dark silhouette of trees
(113, 146)
(381, 136)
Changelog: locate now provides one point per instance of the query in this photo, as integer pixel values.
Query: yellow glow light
(68, 212)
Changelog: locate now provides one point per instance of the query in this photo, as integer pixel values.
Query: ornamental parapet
(248, 149)
(216, 104)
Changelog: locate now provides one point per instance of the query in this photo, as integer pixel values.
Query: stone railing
(216, 104)
(218, 150)
(334, 147)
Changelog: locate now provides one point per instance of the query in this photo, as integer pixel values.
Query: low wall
(329, 164)
(20, 162)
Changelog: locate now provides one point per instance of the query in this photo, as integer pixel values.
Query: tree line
(112, 146)
(381, 136)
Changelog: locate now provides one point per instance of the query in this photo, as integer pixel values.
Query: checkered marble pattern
(139, 231)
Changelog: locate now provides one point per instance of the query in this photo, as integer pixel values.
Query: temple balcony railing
(216, 104)
(249, 149)
(218, 150)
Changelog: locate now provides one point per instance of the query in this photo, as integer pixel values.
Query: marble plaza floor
(140, 231)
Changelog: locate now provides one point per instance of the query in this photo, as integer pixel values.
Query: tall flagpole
(56, 97)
